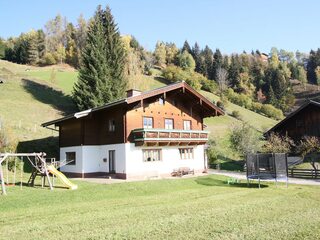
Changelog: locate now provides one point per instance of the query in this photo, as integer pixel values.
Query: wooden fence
(304, 173)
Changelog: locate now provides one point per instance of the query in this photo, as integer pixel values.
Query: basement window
(71, 158)
(186, 153)
(151, 155)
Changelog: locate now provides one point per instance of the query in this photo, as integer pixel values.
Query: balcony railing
(143, 136)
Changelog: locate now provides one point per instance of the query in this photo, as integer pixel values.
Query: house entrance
(112, 161)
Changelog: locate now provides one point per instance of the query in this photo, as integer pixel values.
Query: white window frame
(185, 126)
(151, 155)
(186, 153)
(168, 126)
(147, 125)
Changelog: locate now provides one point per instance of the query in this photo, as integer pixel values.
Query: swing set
(37, 161)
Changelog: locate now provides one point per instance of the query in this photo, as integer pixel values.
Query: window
(186, 153)
(168, 123)
(71, 158)
(151, 155)
(186, 125)
(112, 125)
(147, 122)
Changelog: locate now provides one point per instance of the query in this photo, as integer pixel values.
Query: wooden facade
(178, 102)
(303, 122)
(93, 129)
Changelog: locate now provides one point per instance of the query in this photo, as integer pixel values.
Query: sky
(230, 25)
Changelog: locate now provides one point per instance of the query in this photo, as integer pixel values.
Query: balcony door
(112, 161)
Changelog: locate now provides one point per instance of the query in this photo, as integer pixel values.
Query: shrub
(278, 144)
(245, 101)
(256, 107)
(212, 152)
(220, 105)
(49, 59)
(244, 139)
(174, 74)
(271, 111)
(7, 142)
(236, 114)
(208, 85)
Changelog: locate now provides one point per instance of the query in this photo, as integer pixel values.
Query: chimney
(133, 92)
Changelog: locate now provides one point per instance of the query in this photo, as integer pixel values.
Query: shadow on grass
(207, 181)
(231, 164)
(24, 184)
(49, 145)
(49, 95)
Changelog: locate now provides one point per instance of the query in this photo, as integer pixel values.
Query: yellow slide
(62, 177)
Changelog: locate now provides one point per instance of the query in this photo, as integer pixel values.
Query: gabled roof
(308, 103)
(142, 96)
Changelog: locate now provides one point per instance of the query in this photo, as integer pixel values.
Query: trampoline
(267, 166)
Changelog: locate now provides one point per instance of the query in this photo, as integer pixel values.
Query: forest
(258, 81)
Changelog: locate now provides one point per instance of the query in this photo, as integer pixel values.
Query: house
(305, 121)
(264, 57)
(147, 134)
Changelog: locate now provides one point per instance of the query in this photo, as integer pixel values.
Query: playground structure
(40, 167)
(267, 166)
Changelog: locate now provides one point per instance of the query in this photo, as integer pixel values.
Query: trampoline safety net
(267, 166)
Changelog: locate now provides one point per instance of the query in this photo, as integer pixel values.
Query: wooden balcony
(168, 137)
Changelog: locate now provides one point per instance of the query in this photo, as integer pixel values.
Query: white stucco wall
(136, 167)
(77, 168)
(129, 160)
(89, 159)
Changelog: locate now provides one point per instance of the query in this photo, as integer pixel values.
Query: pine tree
(186, 47)
(41, 43)
(271, 98)
(32, 48)
(207, 56)
(71, 51)
(102, 63)
(196, 56)
(234, 72)
(217, 63)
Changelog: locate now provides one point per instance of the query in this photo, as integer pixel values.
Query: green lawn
(195, 208)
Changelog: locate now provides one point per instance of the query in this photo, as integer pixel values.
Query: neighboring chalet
(305, 121)
(147, 134)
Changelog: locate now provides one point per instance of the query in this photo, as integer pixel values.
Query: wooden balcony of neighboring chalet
(168, 137)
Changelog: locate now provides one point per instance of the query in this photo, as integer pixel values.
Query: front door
(112, 161)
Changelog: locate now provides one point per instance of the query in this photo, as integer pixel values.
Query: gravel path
(242, 175)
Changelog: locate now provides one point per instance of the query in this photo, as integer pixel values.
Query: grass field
(194, 208)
